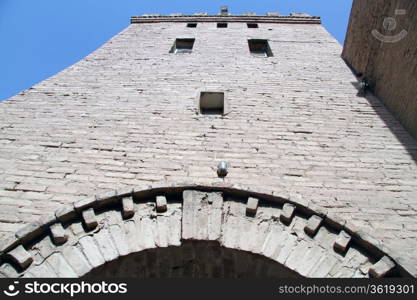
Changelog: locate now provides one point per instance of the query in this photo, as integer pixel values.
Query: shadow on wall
(402, 135)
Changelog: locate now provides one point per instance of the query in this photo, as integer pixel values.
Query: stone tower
(111, 166)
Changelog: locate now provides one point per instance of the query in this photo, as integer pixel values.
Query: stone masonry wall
(176, 232)
(126, 115)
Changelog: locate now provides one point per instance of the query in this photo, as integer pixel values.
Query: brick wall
(391, 67)
(126, 115)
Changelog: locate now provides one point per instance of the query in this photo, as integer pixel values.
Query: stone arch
(193, 259)
(76, 240)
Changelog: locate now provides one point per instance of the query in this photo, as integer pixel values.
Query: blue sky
(39, 38)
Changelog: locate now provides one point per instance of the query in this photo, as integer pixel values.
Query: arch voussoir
(98, 230)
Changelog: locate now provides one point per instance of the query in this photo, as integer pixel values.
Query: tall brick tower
(207, 146)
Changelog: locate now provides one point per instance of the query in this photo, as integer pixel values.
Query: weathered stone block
(323, 266)
(59, 235)
(259, 232)
(120, 240)
(309, 259)
(313, 225)
(287, 248)
(20, 256)
(162, 229)
(132, 237)
(128, 209)
(251, 206)
(146, 233)
(248, 230)
(287, 214)
(233, 223)
(6, 270)
(89, 218)
(161, 204)
(202, 215)
(113, 217)
(44, 248)
(342, 241)
(91, 251)
(174, 224)
(382, 267)
(295, 260)
(60, 265)
(273, 241)
(76, 260)
(106, 245)
(44, 270)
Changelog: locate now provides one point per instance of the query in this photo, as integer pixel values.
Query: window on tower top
(221, 25)
(182, 46)
(192, 25)
(252, 25)
(259, 48)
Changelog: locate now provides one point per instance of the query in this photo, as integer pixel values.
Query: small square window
(221, 25)
(182, 46)
(192, 25)
(252, 25)
(260, 48)
(211, 103)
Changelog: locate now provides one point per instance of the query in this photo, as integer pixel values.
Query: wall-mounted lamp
(222, 169)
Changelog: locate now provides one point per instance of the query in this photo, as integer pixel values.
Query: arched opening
(192, 231)
(193, 259)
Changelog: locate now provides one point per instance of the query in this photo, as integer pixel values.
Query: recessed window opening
(221, 25)
(259, 48)
(182, 46)
(211, 103)
(192, 25)
(252, 25)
